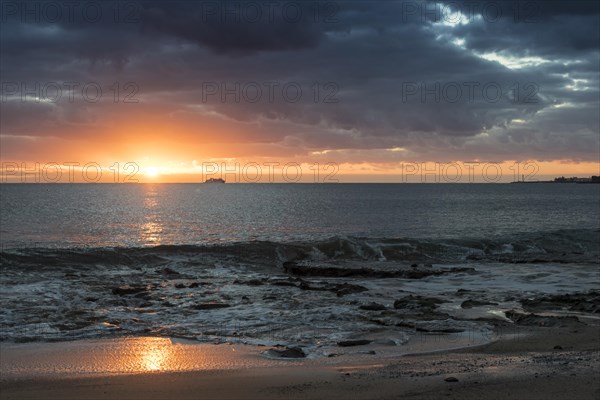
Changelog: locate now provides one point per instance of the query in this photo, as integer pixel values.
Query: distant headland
(562, 179)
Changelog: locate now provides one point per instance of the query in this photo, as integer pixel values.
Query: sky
(309, 91)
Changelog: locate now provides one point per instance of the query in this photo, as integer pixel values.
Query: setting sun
(151, 172)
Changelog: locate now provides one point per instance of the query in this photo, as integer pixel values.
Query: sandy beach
(539, 363)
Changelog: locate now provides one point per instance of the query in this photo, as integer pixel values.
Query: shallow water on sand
(143, 355)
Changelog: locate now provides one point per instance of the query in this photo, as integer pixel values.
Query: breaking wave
(557, 246)
(313, 294)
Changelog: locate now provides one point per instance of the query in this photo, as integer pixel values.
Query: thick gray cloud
(441, 80)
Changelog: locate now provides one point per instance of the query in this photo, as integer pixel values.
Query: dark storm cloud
(237, 27)
(383, 58)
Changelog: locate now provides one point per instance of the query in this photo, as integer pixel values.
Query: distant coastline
(562, 179)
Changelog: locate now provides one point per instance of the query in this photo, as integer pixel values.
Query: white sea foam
(62, 295)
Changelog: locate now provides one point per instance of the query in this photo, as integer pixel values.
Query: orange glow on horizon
(314, 169)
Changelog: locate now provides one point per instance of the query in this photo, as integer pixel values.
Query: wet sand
(540, 363)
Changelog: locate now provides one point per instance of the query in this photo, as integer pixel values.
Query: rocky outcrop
(411, 272)
(349, 343)
(210, 306)
(372, 307)
(581, 302)
(470, 303)
(417, 302)
(288, 352)
(539, 320)
(131, 289)
(340, 289)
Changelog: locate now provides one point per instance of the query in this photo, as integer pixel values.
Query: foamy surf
(386, 292)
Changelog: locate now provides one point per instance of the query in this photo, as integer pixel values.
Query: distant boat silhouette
(214, 180)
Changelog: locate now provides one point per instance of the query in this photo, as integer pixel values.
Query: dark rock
(348, 288)
(288, 352)
(415, 302)
(307, 286)
(476, 303)
(281, 282)
(558, 347)
(582, 302)
(340, 272)
(420, 308)
(424, 314)
(180, 286)
(451, 379)
(427, 265)
(250, 282)
(372, 307)
(143, 295)
(438, 330)
(538, 320)
(462, 292)
(193, 285)
(429, 328)
(341, 289)
(210, 306)
(167, 271)
(358, 342)
(129, 289)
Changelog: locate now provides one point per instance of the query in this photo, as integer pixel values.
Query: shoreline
(138, 355)
(547, 363)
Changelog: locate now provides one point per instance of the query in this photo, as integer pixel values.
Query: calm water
(151, 214)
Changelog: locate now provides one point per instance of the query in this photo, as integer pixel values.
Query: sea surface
(305, 265)
(135, 215)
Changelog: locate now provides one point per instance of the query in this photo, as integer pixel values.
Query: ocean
(295, 264)
(138, 215)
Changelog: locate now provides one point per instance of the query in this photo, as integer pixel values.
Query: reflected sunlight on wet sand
(122, 356)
